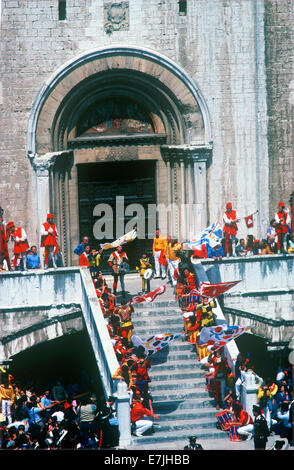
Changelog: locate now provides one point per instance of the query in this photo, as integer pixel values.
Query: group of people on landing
(279, 239)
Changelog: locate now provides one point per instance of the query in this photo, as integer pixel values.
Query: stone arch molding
(44, 331)
(166, 80)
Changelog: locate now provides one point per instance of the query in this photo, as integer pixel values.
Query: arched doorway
(123, 112)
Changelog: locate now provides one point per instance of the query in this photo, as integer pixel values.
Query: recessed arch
(166, 77)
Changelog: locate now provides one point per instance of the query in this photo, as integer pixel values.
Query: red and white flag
(219, 336)
(214, 290)
(249, 221)
(149, 297)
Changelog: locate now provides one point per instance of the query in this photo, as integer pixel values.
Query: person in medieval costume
(230, 229)
(49, 237)
(159, 253)
(118, 263)
(4, 254)
(283, 221)
(21, 246)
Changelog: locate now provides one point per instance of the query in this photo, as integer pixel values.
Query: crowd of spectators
(56, 417)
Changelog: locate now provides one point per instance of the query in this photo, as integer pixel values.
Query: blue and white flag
(211, 236)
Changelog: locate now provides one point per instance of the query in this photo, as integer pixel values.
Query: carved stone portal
(116, 16)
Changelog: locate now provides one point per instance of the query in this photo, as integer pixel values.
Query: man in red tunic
(283, 221)
(4, 254)
(21, 246)
(138, 412)
(116, 259)
(49, 236)
(230, 229)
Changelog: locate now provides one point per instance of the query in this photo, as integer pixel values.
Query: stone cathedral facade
(182, 104)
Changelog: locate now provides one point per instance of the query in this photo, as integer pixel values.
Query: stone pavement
(209, 444)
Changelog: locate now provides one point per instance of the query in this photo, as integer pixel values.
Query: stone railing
(50, 289)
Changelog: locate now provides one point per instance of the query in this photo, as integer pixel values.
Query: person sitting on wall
(81, 246)
(241, 248)
(216, 252)
(33, 258)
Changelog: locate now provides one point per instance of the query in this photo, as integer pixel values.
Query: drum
(148, 274)
(225, 419)
(234, 436)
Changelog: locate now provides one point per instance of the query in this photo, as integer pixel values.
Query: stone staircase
(177, 383)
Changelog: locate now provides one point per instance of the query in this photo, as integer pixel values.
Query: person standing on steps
(116, 259)
(159, 254)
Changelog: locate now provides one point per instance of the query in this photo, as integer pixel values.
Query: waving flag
(128, 237)
(149, 297)
(211, 236)
(214, 290)
(249, 221)
(155, 343)
(219, 336)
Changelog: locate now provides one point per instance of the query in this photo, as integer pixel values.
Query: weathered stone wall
(220, 45)
(279, 47)
(266, 287)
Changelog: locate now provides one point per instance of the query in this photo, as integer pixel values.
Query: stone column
(191, 225)
(183, 215)
(193, 160)
(200, 201)
(123, 414)
(249, 391)
(42, 165)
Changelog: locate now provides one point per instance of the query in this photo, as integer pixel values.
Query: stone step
(167, 406)
(165, 436)
(184, 384)
(163, 304)
(175, 366)
(179, 394)
(185, 424)
(177, 357)
(154, 313)
(179, 376)
(144, 333)
(164, 321)
(188, 414)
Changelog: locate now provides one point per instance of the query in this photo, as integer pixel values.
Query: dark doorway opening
(101, 183)
(69, 359)
(265, 363)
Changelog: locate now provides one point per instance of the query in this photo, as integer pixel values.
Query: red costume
(4, 254)
(244, 418)
(19, 237)
(83, 260)
(49, 236)
(283, 221)
(230, 228)
(138, 411)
